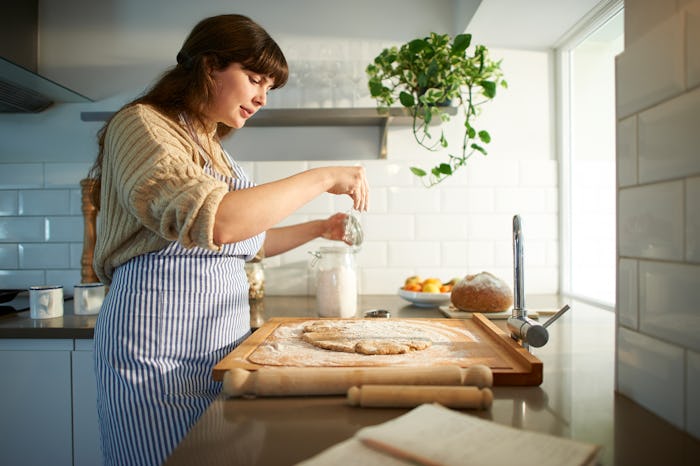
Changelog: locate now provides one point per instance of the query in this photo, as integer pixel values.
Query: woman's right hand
(353, 182)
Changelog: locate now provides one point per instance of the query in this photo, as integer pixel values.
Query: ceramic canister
(87, 298)
(45, 301)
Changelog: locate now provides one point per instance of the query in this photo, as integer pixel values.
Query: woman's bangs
(270, 62)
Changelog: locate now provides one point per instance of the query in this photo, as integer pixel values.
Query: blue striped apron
(168, 318)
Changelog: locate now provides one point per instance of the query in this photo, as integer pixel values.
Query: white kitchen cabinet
(86, 440)
(35, 402)
(48, 403)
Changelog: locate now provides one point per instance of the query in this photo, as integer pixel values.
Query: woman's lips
(245, 113)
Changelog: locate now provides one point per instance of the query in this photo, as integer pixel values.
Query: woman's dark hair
(214, 43)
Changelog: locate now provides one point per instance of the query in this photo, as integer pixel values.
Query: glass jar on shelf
(256, 279)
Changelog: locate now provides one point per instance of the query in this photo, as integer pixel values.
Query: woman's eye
(254, 80)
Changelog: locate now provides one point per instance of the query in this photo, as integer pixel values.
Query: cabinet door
(35, 402)
(86, 440)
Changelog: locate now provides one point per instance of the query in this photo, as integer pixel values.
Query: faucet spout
(521, 326)
(518, 269)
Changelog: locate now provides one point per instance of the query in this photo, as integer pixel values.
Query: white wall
(658, 185)
(112, 50)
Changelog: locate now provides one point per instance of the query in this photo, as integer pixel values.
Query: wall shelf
(272, 117)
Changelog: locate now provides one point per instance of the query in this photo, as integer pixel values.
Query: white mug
(87, 298)
(45, 301)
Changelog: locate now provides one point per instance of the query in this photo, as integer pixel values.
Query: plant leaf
(406, 99)
(461, 43)
(479, 148)
(445, 169)
(417, 171)
(489, 88)
(485, 136)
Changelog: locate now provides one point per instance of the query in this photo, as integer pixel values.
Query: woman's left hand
(334, 227)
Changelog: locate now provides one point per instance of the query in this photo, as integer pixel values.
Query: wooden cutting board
(470, 342)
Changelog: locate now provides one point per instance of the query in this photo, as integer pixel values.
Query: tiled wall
(658, 111)
(461, 226)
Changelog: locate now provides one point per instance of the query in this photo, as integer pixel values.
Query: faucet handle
(559, 313)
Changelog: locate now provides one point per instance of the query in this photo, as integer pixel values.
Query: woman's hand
(333, 227)
(351, 181)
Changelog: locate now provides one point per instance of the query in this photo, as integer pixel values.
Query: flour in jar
(336, 293)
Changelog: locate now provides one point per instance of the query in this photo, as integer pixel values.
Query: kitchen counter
(20, 325)
(576, 400)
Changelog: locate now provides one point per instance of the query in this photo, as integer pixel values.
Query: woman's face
(239, 94)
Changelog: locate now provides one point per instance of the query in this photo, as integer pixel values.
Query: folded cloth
(432, 435)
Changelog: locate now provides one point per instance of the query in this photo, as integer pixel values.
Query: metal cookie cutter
(380, 313)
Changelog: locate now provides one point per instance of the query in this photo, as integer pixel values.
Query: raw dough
(352, 337)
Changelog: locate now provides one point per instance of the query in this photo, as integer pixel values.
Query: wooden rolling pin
(410, 396)
(287, 381)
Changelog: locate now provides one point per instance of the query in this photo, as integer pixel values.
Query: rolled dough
(383, 337)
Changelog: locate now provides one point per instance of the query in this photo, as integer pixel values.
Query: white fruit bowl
(420, 299)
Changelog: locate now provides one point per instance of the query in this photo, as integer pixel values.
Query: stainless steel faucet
(522, 328)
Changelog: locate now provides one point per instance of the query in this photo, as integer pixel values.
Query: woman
(178, 219)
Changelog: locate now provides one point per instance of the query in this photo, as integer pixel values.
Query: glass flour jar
(336, 282)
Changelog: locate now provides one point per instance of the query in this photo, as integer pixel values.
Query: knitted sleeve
(157, 180)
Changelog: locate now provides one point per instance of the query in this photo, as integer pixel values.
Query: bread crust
(482, 292)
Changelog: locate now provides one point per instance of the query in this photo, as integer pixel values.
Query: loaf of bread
(482, 292)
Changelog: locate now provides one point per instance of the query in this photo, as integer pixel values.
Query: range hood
(22, 89)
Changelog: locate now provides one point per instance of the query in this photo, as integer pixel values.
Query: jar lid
(353, 230)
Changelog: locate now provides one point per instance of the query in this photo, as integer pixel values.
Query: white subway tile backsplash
(382, 173)
(692, 219)
(44, 202)
(493, 173)
(692, 46)
(65, 174)
(651, 372)
(413, 200)
(521, 200)
(493, 227)
(287, 280)
(692, 409)
(9, 256)
(541, 173)
(21, 175)
(64, 277)
(76, 254)
(384, 280)
(273, 171)
(669, 139)
(44, 255)
(650, 221)
(646, 85)
(414, 253)
(437, 227)
(65, 228)
(454, 254)
(389, 227)
(627, 291)
(18, 229)
(373, 254)
(467, 200)
(669, 294)
(76, 202)
(21, 279)
(627, 152)
(481, 255)
(8, 203)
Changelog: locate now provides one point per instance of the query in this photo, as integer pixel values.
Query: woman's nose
(260, 98)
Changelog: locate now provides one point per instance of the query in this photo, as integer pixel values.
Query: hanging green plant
(426, 76)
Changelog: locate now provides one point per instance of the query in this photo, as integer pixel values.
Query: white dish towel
(433, 435)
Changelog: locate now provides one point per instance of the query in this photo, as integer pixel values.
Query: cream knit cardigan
(154, 190)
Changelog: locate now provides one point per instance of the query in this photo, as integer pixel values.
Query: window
(586, 82)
